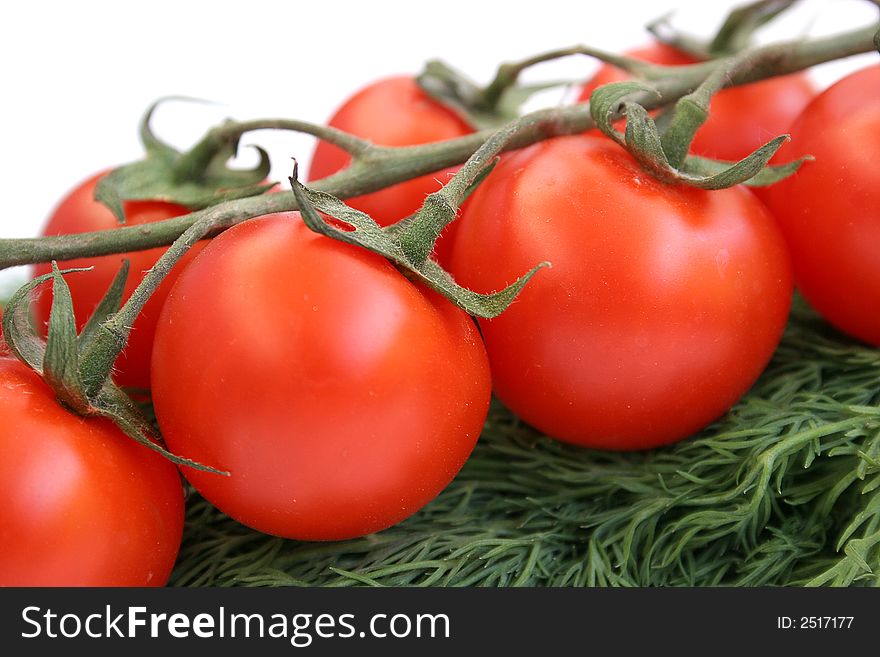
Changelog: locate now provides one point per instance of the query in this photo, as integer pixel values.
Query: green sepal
(607, 102)
(368, 234)
(113, 404)
(110, 304)
(196, 179)
(60, 360)
(455, 91)
(18, 330)
(485, 306)
(459, 94)
(646, 144)
(739, 172)
(364, 231)
(471, 103)
(153, 179)
(95, 356)
(154, 146)
(705, 167)
(643, 141)
(685, 119)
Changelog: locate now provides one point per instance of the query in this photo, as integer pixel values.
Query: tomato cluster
(342, 397)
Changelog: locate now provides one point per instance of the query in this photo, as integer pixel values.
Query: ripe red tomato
(830, 209)
(392, 112)
(663, 305)
(83, 504)
(80, 213)
(340, 396)
(740, 119)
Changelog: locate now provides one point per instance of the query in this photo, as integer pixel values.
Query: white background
(77, 75)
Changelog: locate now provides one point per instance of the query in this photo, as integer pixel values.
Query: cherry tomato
(83, 504)
(663, 305)
(740, 119)
(829, 210)
(79, 212)
(392, 112)
(340, 396)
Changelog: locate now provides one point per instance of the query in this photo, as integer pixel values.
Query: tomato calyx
(662, 143)
(363, 231)
(77, 367)
(409, 243)
(661, 146)
(492, 106)
(456, 91)
(196, 179)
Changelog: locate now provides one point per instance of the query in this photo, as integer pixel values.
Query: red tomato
(80, 213)
(341, 396)
(663, 305)
(83, 504)
(392, 112)
(740, 119)
(830, 209)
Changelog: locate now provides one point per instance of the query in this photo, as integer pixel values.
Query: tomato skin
(740, 119)
(341, 397)
(392, 112)
(663, 305)
(78, 212)
(829, 210)
(83, 504)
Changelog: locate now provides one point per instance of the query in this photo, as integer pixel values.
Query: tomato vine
(376, 167)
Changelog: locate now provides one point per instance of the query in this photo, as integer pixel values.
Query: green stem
(419, 233)
(508, 73)
(380, 167)
(198, 158)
